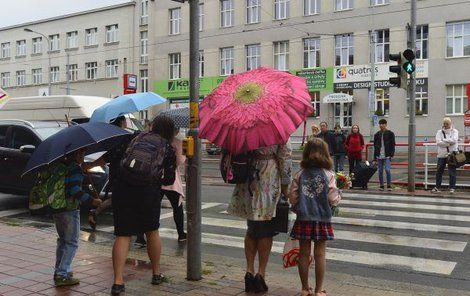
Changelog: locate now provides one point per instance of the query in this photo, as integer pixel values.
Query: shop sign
(130, 83)
(367, 84)
(337, 98)
(318, 79)
(180, 88)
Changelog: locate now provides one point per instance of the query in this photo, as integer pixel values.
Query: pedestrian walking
(384, 150)
(313, 193)
(327, 136)
(354, 146)
(148, 164)
(315, 131)
(339, 151)
(447, 139)
(256, 201)
(67, 220)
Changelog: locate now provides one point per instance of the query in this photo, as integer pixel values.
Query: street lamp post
(48, 57)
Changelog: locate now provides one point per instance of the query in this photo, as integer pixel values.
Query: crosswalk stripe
(405, 205)
(374, 212)
(409, 198)
(385, 239)
(359, 257)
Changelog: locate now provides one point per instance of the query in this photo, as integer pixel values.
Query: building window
(5, 79)
(201, 16)
(175, 21)
(6, 53)
(91, 70)
(311, 7)
(201, 63)
(20, 78)
(21, 48)
(455, 99)
(37, 45)
(281, 55)
(226, 61)
(55, 42)
(344, 50)
(311, 52)
(144, 12)
(382, 46)
(55, 74)
(37, 76)
(382, 101)
(458, 39)
(422, 35)
(73, 72)
(91, 37)
(144, 47)
(344, 4)
(227, 13)
(315, 98)
(112, 33)
(421, 101)
(253, 11)
(175, 66)
(72, 39)
(281, 9)
(112, 68)
(379, 2)
(144, 80)
(253, 56)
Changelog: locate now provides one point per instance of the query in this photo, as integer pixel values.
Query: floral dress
(257, 200)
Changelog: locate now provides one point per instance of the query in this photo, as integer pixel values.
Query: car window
(20, 137)
(3, 135)
(46, 132)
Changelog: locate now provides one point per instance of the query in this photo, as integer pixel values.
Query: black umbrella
(179, 115)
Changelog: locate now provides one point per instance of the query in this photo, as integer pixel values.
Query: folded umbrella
(179, 115)
(126, 104)
(95, 136)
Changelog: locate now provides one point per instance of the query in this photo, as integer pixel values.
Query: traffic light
(402, 77)
(407, 61)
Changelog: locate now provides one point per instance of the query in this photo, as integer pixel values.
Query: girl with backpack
(313, 192)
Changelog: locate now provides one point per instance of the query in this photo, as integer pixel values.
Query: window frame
(21, 78)
(375, 2)
(316, 50)
(144, 12)
(37, 76)
(201, 17)
(91, 70)
(349, 47)
(308, 7)
(349, 6)
(422, 41)
(91, 36)
(316, 103)
(36, 45)
(5, 50)
(252, 56)
(201, 63)
(54, 41)
(174, 21)
(21, 48)
(71, 40)
(422, 95)
(112, 68)
(73, 72)
(462, 97)
(5, 79)
(281, 9)
(464, 36)
(383, 95)
(227, 14)
(111, 33)
(253, 12)
(144, 80)
(277, 54)
(227, 61)
(174, 66)
(54, 72)
(144, 48)
(382, 47)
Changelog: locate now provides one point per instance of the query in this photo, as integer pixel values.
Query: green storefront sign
(318, 79)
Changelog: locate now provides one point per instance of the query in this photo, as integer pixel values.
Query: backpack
(142, 163)
(50, 191)
(238, 169)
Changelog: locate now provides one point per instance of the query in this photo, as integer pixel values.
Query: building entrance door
(343, 114)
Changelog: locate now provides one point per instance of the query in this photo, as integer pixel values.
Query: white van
(39, 108)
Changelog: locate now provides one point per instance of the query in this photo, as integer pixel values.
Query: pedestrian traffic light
(407, 61)
(402, 77)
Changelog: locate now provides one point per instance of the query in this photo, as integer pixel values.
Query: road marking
(410, 198)
(7, 213)
(376, 238)
(405, 205)
(359, 257)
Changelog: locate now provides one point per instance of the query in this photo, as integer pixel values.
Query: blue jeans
(68, 228)
(387, 163)
(441, 166)
(338, 161)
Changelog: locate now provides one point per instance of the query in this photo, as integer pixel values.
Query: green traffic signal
(409, 67)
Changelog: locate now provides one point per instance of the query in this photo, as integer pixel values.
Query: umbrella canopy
(254, 109)
(179, 115)
(126, 104)
(95, 136)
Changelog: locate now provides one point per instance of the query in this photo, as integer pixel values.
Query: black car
(18, 139)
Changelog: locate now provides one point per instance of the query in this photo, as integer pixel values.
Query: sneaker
(382, 188)
(389, 188)
(140, 241)
(435, 190)
(183, 237)
(66, 281)
(69, 274)
(452, 191)
(157, 279)
(117, 289)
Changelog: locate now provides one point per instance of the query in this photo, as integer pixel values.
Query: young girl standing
(313, 193)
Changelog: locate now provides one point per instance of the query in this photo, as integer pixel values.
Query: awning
(337, 98)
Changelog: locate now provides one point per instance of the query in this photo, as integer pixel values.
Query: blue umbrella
(95, 136)
(126, 104)
(179, 115)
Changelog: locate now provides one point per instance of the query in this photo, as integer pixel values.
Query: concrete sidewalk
(27, 255)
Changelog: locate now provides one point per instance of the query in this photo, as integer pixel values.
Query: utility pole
(412, 123)
(68, 74)
(193, 185)
(372, 85)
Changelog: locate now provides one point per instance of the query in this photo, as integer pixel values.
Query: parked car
(18, 140)
(212, 149)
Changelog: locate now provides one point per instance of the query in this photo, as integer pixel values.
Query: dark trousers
(353, 163)
(441, 166)
(178, 214)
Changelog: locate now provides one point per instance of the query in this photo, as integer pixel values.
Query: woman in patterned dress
(256, 201)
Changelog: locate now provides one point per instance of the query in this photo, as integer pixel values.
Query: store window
(382, 101)
(421, 101)
(343, 112)
(455, 99)
(315, 98)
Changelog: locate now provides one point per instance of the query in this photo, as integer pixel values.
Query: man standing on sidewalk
(327, 136)
(384, 150)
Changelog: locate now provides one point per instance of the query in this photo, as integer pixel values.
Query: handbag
(281, 221)
(455, 158)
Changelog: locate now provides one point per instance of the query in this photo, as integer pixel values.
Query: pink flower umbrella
(254, 109)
